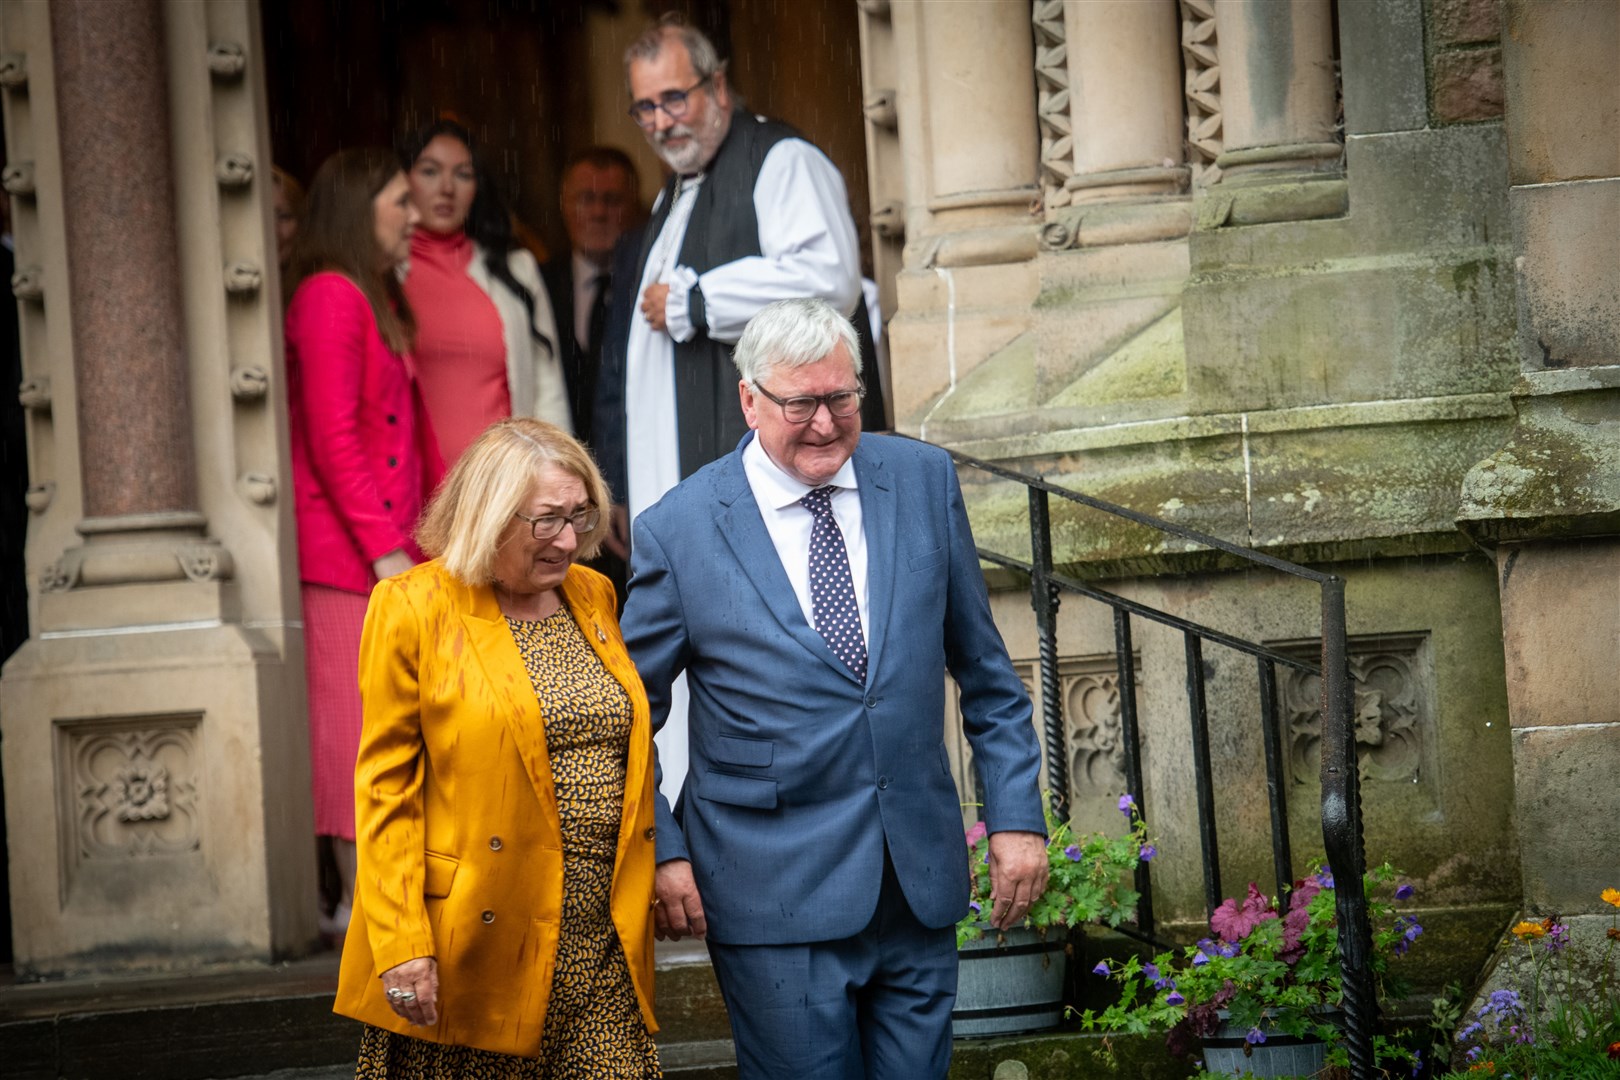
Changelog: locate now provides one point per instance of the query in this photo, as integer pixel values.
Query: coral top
(460, 345)
(364, 460)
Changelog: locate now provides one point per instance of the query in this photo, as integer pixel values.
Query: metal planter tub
(1009, 983)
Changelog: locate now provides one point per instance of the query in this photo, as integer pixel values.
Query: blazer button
(652, 831)
(393, 462)
(883, 783)
(494, 843)
(388, 504)
(871, 703)
(488, 917)
(392, 419)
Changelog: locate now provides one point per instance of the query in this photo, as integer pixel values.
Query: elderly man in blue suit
(815, 586)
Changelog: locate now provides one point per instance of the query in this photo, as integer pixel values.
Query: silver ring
(396, 994)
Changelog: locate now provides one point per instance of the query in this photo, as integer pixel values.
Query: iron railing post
(1202, 774)
(1044, 598)
(1131, 736)
(1282, 859)
(1342, 835)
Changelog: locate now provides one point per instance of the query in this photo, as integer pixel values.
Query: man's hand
(617, 540)
(412, 989)
(1017, 875)
(652, 305)
(678, 909)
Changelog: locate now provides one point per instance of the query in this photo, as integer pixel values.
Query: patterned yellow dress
(594, 1029)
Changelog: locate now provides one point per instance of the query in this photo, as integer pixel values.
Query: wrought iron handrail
(1341, 788)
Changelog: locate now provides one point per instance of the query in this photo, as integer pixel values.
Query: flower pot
(1228, 1053)
(1004, 989)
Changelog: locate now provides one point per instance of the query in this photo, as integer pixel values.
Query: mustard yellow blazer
(460, 847)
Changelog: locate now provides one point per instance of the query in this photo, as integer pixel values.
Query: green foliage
(1089, 878)
(1551, 1026)
(1268, 971)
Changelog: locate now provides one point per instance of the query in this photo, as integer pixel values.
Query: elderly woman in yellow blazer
(504, 789)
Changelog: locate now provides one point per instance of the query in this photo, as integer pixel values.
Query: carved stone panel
(128, 791)
(1394, 709)
(1202, 89)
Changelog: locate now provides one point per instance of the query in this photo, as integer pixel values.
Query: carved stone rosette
(1392, 710)
(1052, 102)
(1201, 63)
(134, 790)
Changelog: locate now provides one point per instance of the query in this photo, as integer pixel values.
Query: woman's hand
(412, 990)
(395, 562)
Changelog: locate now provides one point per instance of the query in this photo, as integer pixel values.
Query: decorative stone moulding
(1200, 62)
(40, 495)
(243, 279)
(234, 170)
(18, 178)
(889, 220)
(13, 70)
(35, 394)
(1052, 101)
(880, 110)
(258, 488)
(226, 60)
(877, 9)
(249, 383)
(980, 247)
(1119, 223)
(28, 284)
(1282, 200)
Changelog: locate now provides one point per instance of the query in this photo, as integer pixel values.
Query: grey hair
(699, 49)
(793, 333)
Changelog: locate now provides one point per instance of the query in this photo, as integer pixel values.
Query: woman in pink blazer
(364, 457)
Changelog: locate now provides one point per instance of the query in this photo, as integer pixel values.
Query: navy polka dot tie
(832, 590)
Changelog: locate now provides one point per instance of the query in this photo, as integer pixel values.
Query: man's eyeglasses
(799, 410)
(547, 526)
(673, 102)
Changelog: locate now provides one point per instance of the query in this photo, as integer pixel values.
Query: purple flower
(1255, 1037)
(1126, 804)
(1199, 959)
(1148, 851)
(1473, 1055)
(1557, 938)
(1101, 969)
(1324, 877)
(974, 904)
(1072, 852)
(1151, 971)
(1175, 998)
(1405, 892)
(1470, 1031)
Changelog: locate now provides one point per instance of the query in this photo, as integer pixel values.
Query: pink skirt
(332, 622)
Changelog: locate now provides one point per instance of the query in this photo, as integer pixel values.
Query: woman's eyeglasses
(547, 526)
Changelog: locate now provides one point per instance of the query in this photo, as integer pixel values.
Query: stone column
(141, 518)
(980, 149)
(1278, 89)
(1549, 499)
(156, 752)
(1125, 99)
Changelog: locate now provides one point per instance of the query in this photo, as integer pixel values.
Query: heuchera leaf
(1234, 921)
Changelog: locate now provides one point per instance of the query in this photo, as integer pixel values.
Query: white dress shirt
(789, 524)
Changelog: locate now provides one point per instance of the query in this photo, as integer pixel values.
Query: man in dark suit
(598, 204)
(815, 586)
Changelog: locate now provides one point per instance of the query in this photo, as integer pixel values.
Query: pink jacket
(364, 459)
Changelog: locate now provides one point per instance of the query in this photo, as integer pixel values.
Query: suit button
(652, 831)
(883, 783)
(392, 419)
(871, 703)
(388, 504)
(494, 843)
(393, 462)
(488, 917)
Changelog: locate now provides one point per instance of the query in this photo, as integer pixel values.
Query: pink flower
(1234, 922)
(975, 834)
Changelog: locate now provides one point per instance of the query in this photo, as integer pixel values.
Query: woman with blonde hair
(504, 789)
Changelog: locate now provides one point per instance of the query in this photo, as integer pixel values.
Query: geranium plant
(1269, 971)
(1558, 1024)
(1090, 878)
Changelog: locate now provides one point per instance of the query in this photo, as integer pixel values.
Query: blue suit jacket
(800, 775)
